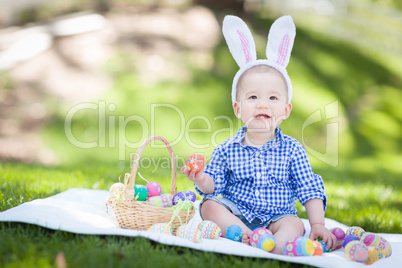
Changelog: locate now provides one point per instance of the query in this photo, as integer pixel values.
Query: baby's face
(262, 101)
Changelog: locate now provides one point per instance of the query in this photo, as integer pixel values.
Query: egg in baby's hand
(196, 162)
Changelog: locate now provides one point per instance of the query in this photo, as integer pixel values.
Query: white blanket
(82, 211)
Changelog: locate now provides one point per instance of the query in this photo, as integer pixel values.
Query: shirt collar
(241, 134)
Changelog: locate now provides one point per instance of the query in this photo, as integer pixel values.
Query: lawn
(361, 171)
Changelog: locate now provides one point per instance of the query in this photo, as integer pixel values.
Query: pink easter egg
(262, 238)
(340, 236)
(356, 251)
(153, 188)
(299, 246)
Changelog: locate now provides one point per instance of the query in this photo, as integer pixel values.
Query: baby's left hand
(319, 230)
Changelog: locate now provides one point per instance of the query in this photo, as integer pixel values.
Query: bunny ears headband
(242, 47)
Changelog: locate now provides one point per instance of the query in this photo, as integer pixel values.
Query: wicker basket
(132, 214)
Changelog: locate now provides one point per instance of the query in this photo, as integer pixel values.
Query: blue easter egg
(349, 238)
(324, 245)
(234, 232)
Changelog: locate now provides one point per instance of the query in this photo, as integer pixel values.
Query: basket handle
(173, 189)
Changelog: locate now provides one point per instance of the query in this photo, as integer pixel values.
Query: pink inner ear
(283, 50)
(246, 46)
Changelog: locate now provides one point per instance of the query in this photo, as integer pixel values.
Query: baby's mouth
(262, 116)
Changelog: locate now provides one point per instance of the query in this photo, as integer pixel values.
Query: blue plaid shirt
(264, 181)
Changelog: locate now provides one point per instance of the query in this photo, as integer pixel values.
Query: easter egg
(234, 232)
(162, 228)
(189, 232)
(153, 189)
(299, 246)
(209, 230)
(117, 190)
(161, 201)
(318, 249)
(349, 238)
(374, 254)
(262, 238)
(356, 251)
(340, 236)
(140, 192)
(355, 230)
(184, 195)
(324, 245)
(196, 162)
(372, 240)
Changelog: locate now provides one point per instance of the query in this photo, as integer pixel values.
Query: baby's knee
(208, 207)
(297, 224)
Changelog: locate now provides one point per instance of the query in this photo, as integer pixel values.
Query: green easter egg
(140, 192)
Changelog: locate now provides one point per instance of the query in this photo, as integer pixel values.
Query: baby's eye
(253, 97)
(273, 98)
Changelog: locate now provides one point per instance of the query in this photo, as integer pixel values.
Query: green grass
(374, 205)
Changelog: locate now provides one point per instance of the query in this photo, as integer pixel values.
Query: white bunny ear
(239, 39)
(280, 41)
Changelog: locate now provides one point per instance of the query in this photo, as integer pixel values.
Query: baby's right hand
(192, 174)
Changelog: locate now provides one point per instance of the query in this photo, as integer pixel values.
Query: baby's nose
(263, 104)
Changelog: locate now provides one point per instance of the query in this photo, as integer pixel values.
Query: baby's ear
(237, 109)
(280, 41)
(239, 40)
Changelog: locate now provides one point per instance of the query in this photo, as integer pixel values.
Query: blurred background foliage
(166, 70)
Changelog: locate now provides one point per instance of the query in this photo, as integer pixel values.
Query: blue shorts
(232, 206)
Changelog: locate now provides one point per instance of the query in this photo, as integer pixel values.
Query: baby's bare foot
(246, 238)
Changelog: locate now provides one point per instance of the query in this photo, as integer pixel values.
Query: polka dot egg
(189, 232)
(162, 228)
(299, 246)
(153, 189)
(356, 251)
(262, 238)
(209, 230)
(117, 190)
(196, 162)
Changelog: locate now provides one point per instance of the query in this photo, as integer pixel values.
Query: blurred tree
(237, 5)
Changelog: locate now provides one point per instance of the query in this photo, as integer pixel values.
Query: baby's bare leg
(284, 230)
(213, 211)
